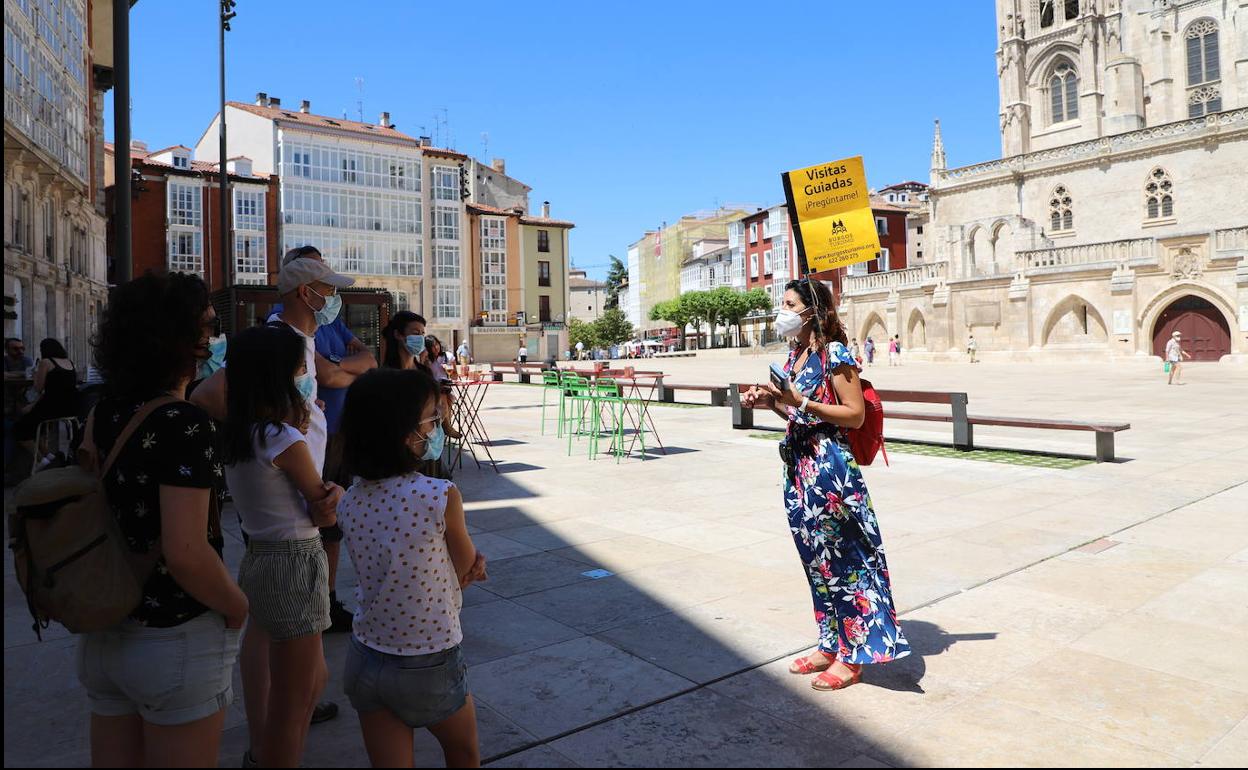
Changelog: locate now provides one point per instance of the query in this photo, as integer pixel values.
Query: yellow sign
(830, 206)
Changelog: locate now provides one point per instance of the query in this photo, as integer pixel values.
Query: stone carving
(1186, 265)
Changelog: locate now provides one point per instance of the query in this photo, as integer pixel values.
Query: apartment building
(176, 220)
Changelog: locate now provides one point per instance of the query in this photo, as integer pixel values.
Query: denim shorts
(287, 586)
(168, 676)
(421, 690)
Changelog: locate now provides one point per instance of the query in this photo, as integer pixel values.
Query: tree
(613, 328)
(736, 305)
(616, 275)
(700, 307)
(675, 312)
(580, 331)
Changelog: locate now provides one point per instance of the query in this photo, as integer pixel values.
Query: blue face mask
(415, 344)
(435, 442)
(329, 311)
(306, 385)
(216, 359)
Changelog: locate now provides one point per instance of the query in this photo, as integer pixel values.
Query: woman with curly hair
(829, 509)
(159, 682)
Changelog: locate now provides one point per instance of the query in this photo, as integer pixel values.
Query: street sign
(830, 207)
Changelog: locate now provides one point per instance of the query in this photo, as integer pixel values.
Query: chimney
(274, 101)
(305, 106)
(262, 99)
(545, 209)
(425, 141)
(385, 120)
(499, 165)
(138, 146)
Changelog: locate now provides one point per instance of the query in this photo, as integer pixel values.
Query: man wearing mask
(309, 294)
(337, 345)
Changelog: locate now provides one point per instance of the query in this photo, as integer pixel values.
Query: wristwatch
(805, 401)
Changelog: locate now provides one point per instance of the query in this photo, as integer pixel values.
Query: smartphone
(779, 378)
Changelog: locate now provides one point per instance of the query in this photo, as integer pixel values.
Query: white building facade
(1117, 213)
(356, 191)
(55, 264)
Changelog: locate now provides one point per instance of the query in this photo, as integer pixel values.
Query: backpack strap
(144, 412)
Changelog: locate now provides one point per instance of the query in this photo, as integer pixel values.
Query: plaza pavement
(1096, 616)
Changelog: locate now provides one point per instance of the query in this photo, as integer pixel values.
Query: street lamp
(227, 243)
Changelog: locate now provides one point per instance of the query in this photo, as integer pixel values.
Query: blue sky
(622, 115)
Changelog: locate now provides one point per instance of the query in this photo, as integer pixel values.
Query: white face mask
(788, 323)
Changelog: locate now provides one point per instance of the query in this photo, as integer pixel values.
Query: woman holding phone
(829, 509)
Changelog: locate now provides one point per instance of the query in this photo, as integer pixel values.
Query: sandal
(805, 664)
(827, 682)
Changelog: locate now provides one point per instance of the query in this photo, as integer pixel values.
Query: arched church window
(1061, 209)
(1159, 194)
(1047, 13)
(1202, 101)
(1064, 93)
(1202, 52)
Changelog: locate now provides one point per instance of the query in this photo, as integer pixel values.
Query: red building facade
(176, 217)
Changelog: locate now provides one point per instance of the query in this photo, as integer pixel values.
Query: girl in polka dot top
(409, 543)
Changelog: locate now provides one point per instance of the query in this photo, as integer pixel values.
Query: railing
(1234, 239)
(897, 279)
(1108, 253)
(1106, 145)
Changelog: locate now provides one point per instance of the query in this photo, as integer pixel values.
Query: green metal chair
(607, 397)
(550, 382)
(578, 403)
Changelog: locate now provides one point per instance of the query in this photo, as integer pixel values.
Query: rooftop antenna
(446, 123)
(359, 101)
(485, 145)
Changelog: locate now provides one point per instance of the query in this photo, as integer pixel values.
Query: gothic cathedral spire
(938, 154)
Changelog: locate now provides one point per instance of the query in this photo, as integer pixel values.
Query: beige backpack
(72, 561)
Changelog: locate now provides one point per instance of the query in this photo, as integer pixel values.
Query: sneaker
(324, 711)
(248, 760)
(340, 618)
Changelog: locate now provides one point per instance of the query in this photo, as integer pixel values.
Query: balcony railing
(1108, 254)
(896, 279)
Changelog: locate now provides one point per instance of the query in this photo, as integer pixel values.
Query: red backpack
(868, 440)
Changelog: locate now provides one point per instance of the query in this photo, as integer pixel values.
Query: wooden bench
(963, 424)
(719, 393)
(524, 372)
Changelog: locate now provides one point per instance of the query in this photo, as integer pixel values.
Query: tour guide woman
(824, 494)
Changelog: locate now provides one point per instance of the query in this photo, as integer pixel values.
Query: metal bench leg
(741, 417)
(963, 437)
(1104, 447)
(718, 397)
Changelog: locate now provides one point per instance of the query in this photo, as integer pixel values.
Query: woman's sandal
(827, 682)
(804, 665)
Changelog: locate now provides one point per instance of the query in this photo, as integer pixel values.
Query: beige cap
(303, 270)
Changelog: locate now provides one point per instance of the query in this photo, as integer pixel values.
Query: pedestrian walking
(522, 355)
(892, 351)
(159, 682)
(855, 350)
(898, 338)
(580, 351)
(870, 350)
(461, 354)
(829, 509)
(408, 536)
(1174, 359)
(971, 347)
(273, 466)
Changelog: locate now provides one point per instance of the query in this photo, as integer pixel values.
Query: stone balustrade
(1196, 128)
(1109, 253)
(896, 279)
(1231, 242)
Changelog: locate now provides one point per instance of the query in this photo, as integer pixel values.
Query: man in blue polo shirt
(336, 343)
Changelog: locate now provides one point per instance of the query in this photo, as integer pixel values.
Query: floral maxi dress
(835, 529)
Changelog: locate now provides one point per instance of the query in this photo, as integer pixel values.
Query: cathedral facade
(1118, 212)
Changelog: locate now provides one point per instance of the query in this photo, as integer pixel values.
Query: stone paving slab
(667, 660)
